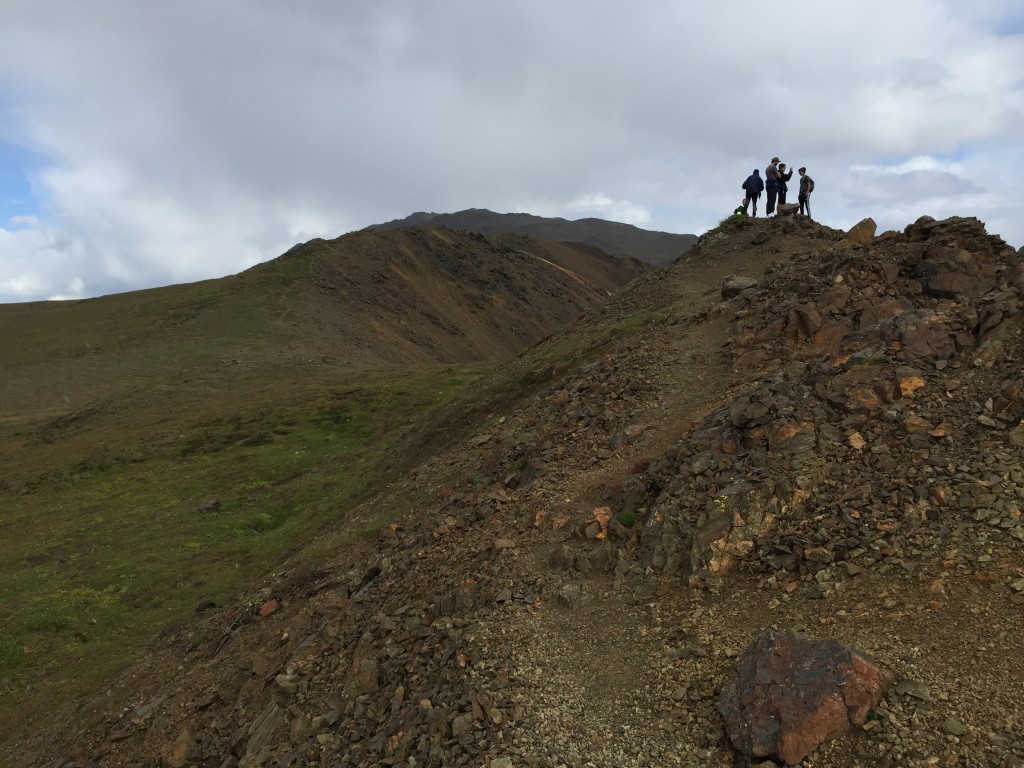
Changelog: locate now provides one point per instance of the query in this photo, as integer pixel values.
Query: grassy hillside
(163, 450)
(110, 535)
(361, 301)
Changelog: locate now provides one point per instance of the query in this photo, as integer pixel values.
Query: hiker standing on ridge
(783, 178)
(753, 186)
(771, 185)
(806, 187)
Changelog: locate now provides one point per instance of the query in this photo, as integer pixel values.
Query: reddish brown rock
(734, 285)
(791, 693)
(949, 271)
(747, 359)
(835, 299)
(910, 380)
(874, 312)
(829, 337)
(180, 752)
(914, 423)
(364, 673)
(802, 323)
(861, 232)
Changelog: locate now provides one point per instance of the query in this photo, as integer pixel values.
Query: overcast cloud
(146, 143)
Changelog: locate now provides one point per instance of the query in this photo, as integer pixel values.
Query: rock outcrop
(844, 450)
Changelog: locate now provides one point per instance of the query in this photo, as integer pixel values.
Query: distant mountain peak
(616, 238)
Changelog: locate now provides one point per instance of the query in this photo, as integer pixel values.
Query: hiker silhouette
(753, 186)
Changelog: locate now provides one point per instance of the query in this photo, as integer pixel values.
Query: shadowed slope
(364, 300)
(613, 237)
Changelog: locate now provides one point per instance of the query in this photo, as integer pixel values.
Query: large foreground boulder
(791, 693)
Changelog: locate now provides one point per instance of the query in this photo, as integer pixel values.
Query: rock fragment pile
(890, 416)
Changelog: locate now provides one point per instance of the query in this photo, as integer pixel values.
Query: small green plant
(627, 517)
(730, 223)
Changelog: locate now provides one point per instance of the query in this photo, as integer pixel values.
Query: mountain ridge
(658, 248)
(367, 299)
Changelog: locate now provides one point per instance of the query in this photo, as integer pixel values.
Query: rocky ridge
(831, 444)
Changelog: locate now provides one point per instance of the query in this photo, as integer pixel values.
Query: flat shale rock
(791, 693)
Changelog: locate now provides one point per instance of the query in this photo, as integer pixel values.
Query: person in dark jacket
(783, 178)
(753, 186)
(771, 185)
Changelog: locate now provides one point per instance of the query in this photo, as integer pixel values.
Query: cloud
(178, 141)
(600, 206)
(37, 262)
(921, 180)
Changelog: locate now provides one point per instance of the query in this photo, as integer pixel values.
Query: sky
(144, 144)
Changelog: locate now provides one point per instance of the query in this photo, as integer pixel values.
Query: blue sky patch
(1010, 25)
(16, 196)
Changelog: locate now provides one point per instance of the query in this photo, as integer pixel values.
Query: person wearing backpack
(806, 187)
(753, 186)
(771, 185)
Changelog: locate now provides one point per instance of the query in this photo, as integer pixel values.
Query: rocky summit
(792, 429)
